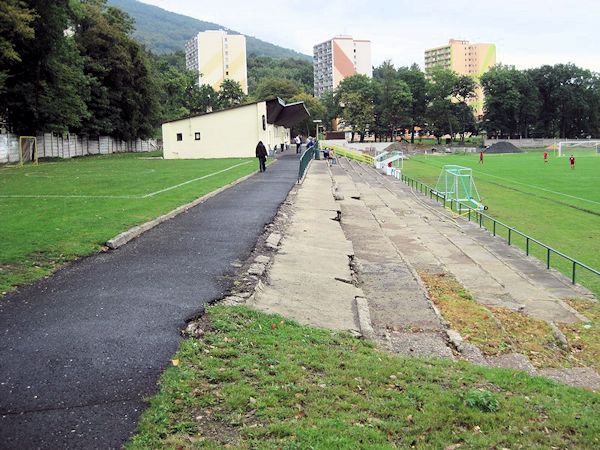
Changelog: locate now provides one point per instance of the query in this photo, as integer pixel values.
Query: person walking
(261, 154)
(572, 161)
(298, 143)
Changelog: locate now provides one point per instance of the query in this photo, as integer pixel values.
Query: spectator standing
(298, 143)
(261, 154)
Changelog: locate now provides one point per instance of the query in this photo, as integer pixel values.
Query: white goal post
(579, 148)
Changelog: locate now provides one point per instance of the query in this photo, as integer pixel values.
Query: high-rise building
(465, 58)
(339, 58)
(217, 56)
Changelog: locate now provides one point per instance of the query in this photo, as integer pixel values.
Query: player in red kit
(572, 161)
(545, 157)
(480, 157)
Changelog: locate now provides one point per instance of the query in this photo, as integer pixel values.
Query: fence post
(527, 245)
(509, 235)
(573, 276)
(548, 260)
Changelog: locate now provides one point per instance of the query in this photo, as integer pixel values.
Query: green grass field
(60, 210)
(550, 202)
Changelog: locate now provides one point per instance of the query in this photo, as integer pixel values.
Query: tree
(511, 101)
(274, 87)
(15, 30)
(449, 94)
(418, 85)
(316, 110)
(230, 94)
(356, 98)
(47, 89)
(263, 67)
(393, 100)
(332, 108)
(567, 95)
(124, 97)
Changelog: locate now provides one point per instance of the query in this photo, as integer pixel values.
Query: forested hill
(165, 32)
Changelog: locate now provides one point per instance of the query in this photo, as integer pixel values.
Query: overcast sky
(527, 33)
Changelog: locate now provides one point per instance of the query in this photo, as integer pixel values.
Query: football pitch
(59, 210)
(550, 202)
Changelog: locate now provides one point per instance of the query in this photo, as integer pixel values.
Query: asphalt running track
(82, 350)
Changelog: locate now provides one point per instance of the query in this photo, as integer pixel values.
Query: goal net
(456, 183)
(28, 149)
(579, 148)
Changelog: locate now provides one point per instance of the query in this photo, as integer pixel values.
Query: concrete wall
(232, 133)
(71, 145)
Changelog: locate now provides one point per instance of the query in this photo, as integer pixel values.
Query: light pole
(317, 122)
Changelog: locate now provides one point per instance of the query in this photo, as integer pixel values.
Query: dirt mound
(503, 147)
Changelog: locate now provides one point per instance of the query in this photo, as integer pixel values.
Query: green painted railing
(306, 158)
(495, 226)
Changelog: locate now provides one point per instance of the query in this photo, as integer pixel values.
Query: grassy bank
(259, 381)
(60, 210)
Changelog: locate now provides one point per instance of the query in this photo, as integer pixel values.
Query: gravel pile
(503, 147)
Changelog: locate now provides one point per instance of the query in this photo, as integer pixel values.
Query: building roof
(278, 112)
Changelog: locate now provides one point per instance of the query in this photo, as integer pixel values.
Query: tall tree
(15, 30)
(567, 98)
(124, 98)
(418, 85)
(393, 100)
(277, 87)
(315, 108)
(511, 101)
(356, 98)
(448, 111)
(45, 90)
(230, 94)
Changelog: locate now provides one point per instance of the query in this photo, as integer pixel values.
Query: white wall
(68, 146)
(232, 133)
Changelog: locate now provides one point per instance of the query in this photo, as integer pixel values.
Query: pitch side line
(139, 196)
(152, 194)
(540, 188)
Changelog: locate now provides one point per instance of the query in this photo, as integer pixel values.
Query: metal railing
(306, 158)
(487, 222)
(352, 154)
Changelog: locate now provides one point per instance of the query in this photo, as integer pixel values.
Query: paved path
(82, 350)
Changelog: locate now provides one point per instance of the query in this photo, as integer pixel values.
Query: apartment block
(465, 58)
(337, 59)
(217, 56)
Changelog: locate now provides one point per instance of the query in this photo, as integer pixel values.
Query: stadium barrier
(487, 222)
(50, 145)
(353, 154)
(306, 158)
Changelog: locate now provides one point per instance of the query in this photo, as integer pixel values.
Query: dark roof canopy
(278, 113)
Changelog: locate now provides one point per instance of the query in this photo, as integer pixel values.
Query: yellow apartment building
(217, 56)
(464, 58)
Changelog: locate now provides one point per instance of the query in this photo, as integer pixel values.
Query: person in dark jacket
(261, 154)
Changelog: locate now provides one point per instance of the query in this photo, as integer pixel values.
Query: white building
(233, 132)
(217, 56)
